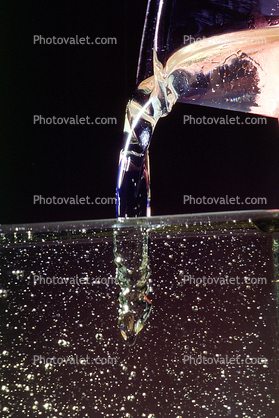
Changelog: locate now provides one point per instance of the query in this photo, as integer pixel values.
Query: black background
(97, 80)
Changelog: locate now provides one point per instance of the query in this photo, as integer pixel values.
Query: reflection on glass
(220, 54)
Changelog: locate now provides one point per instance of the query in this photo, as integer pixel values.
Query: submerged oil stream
(131, 256)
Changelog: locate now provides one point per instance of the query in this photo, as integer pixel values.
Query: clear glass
(208, 348)
(214, 53)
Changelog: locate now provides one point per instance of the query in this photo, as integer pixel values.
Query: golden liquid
(240, 70)
(235, 71)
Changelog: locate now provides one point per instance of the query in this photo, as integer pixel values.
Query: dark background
(85, 80)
